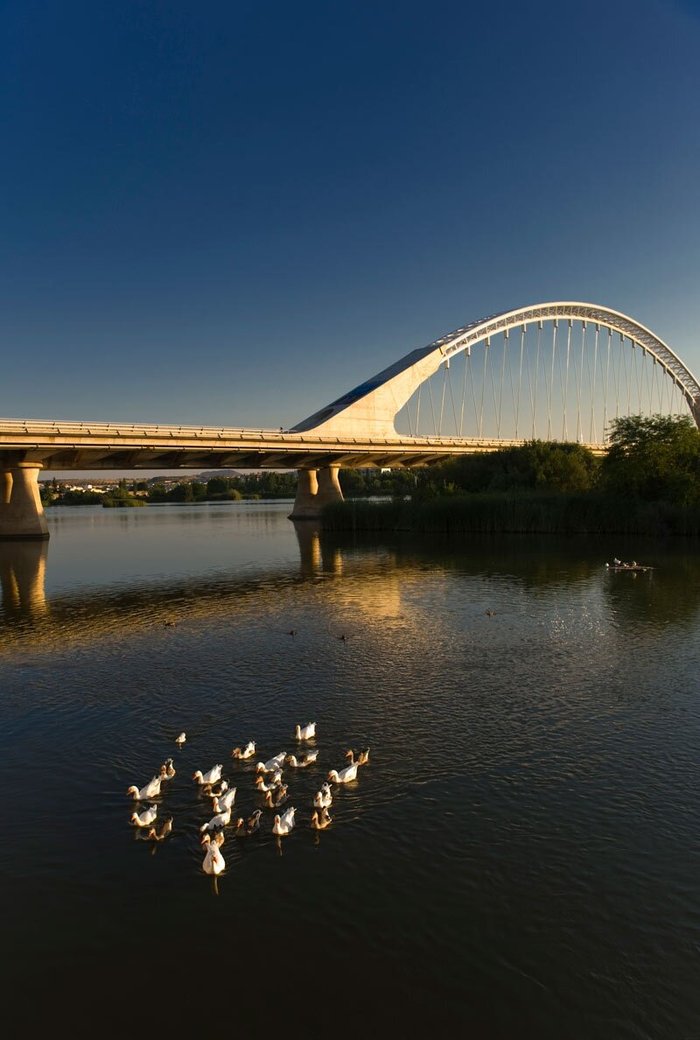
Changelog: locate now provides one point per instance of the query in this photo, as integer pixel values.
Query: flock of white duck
(269, 783)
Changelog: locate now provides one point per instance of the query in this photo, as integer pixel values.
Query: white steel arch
(370, 409)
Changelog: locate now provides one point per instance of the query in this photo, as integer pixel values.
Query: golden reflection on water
(31, 619)
(23, 578)
(382, 584)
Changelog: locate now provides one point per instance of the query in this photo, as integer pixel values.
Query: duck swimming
(221, 789)
(319, 821)
(214, 862)
(263, 786)
(306, 732)
(181, 739)
(167, 770)
(217, 822)
(223, 802)
(151, 790)
(145, 818)
(162, 834)
(273, 801)
(284, 824)
(247, 752)
(300, 763)
(362, 757)
(272, 765)
(217, 839)
(345, 776)
(324, 797)
(210, 777)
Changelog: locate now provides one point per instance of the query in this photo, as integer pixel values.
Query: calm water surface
(519, 858)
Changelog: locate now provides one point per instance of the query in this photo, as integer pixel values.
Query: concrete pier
(316, 489)
(21, 511)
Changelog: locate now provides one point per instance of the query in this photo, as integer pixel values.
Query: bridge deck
(93, 445)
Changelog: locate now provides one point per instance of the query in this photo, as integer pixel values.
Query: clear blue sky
(233, 212)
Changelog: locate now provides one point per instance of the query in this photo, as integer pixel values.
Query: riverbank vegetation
(647, 483)
(261, 484)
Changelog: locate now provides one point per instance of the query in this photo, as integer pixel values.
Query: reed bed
(536, 513)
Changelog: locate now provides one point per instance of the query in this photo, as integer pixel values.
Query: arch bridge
(551, 371)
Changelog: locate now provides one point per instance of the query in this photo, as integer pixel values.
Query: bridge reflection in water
(380, 580)
(23, 578)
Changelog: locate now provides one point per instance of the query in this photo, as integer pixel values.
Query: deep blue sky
(232, 212)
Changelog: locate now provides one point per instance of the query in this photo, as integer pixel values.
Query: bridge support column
(329, 489)
(316, 489)
(21, 511)
(305, 502)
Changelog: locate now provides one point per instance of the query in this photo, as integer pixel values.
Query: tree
(656, 458)
(534, 466)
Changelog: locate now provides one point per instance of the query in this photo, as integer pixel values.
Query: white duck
(345, 775)
(323, 798)
(145, 818)
(216, 823)
(273, 765)
(284, 824)
(263, 786)
(307, 732)
(151, 790)
(247, 752)
(300, 763)
(210, 777)
(181, 739)
(224, 801)
(214, 862)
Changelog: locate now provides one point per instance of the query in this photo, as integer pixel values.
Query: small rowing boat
(628, 567)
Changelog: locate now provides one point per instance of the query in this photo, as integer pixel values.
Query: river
(519, 858)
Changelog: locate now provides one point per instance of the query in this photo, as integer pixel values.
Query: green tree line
(647, 482)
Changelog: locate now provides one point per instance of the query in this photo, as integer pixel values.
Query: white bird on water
(344, 776)
(284, 824)
(273, 765)
(145, 818)
(324, 797)
(223, 802)
(181, 739)
(217, 822)
(151, 790)
(210, 777)
(214, 862)
(300, 763)
(306, 732)
(247, 752)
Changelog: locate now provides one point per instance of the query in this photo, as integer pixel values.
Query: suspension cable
(520, 381)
